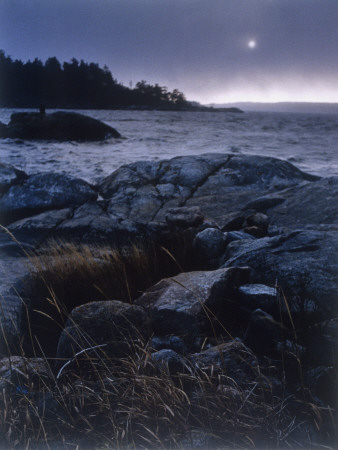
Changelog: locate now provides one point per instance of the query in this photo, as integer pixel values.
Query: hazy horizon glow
(224, 51)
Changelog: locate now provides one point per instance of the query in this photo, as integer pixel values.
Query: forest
(77, 85)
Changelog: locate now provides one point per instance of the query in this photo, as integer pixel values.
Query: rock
(241, 179)
(169, 342)
(114, 323)
(185, 304)
(42, 192)
(232, 358)
(258, 220)
(10, 176)
(321, 341)
(322, 382)
(34, 230)
(255, 231)
(22, 375)
(13, 273)
(255, 224)
(58, 126)
(220, 185)
(303, 263)
(263, 333)
(259, 296)
(170, 360)
(184, 217)
(238, 236)
(234, 223)
(308, 205)
(210, 243)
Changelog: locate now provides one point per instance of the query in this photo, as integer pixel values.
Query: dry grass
(135, 403)
(65, 275)
(98, 401)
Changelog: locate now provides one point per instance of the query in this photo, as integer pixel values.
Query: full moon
(252, 44)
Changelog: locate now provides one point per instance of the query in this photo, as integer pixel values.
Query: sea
(308, 141)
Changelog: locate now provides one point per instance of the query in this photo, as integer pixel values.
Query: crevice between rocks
(205, 179)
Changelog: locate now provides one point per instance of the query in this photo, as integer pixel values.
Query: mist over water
(309, 141)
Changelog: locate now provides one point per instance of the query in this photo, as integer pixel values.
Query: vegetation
(77, 84)
(94, 400)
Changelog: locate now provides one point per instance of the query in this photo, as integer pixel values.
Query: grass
(137, 404)
(65, 275)
(99, 402)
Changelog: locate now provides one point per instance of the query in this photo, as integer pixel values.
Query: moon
(252, 44)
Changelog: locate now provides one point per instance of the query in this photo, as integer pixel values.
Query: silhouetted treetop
(77, 84)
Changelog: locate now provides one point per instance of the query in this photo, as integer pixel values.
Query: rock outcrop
(259, 280)
(42, 192)
(58, 126)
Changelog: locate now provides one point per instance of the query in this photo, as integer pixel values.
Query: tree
(76, 84)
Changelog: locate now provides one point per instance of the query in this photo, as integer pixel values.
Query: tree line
(77, 84)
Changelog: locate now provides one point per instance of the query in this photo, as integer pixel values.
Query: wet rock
(112, 323)
(242, 179)
(323, 385)
(14, 271)
(184, 305)
(257, 232)
(234, 223)
(258, 220)
(321, 342)
(238, 236)
(32, 231)
(170, 360)
(169, 342)
(259, 296)
(9, 176)
(308, 204)
(303, 263)
(263, 333)
(210, 243)
(42, 192)
(22, 375)
(220, 185)
(58, 126)
(184, 217)
(232, 358)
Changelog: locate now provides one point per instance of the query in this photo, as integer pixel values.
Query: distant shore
(296, 107)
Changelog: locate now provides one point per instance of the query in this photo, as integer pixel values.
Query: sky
(215, 51)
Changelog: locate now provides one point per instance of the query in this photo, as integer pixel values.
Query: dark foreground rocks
(58, 126)
(246, 293)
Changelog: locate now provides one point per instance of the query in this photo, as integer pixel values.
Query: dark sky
(198, 46)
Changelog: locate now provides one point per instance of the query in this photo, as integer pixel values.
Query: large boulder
(219, 184)
(58, 126)
(187, 304)
(42, 192)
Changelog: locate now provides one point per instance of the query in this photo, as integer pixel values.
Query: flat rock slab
(58, 126)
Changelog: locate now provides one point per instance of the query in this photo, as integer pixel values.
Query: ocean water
(309, 141)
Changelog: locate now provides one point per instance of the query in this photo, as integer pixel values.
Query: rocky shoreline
(252, 244)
